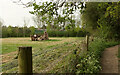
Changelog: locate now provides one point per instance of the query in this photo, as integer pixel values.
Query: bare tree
(29, 3)
(37, 20)
(26, 22)
(1, 24)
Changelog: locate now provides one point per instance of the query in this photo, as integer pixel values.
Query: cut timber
(87, 41)
(44, 37)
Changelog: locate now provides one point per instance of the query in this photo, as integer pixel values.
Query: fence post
(87, 41)
(25, 60)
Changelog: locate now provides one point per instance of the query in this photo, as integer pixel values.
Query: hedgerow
(89, 61)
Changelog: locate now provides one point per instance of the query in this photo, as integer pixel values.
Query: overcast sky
(14, 14)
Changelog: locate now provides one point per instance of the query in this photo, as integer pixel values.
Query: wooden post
(87, 41)
(25, 60)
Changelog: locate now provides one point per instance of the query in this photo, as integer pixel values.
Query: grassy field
(49, 56)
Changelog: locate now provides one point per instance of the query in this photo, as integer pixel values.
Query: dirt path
(109, 60)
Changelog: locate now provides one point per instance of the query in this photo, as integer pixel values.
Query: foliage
(9, 30)
(53, 33)
(90, 16)
(32, 29)
(83, 62)
(54, 16)
(89, 62)
(110, 21)
(102, 19)
(17, 31)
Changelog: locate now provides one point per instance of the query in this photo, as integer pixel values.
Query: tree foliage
(19, 32)
(102, 19)
(110, 21)
(56, 17)
(90, 16)
(11, 31)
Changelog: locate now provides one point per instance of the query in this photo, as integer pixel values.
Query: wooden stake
(25, 60)
(87, 41)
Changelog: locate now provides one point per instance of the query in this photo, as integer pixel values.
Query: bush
(89, 62)
(54, 33)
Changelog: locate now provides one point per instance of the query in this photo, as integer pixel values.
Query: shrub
(54, 33)
(89, 62)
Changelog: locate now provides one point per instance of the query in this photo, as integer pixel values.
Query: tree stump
(25, 60)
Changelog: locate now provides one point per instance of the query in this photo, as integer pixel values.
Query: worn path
(109, 60)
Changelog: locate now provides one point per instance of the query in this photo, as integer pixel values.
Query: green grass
(12, 44)
(46, 54)
(57, 55)
(53, 40)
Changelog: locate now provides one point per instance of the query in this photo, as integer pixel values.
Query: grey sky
(14, 14)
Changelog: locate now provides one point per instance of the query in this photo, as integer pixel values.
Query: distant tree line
(11, 31)
(17, 31)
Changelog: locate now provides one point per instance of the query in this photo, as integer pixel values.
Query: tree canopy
(102, 19)
(55, 16)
